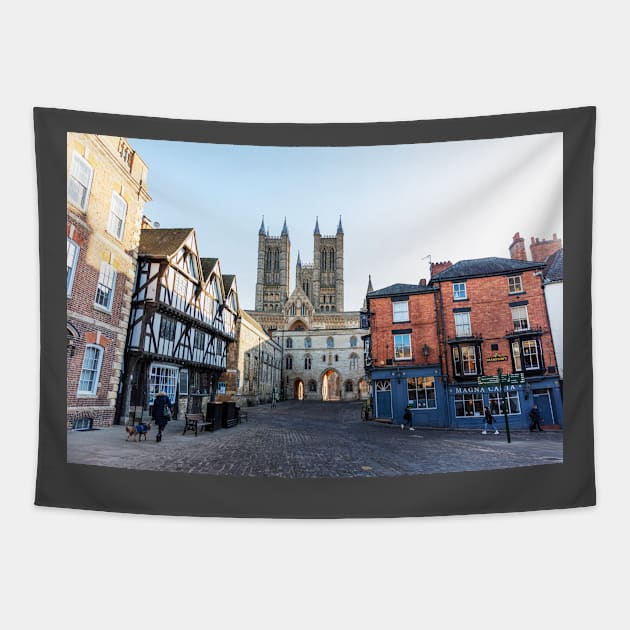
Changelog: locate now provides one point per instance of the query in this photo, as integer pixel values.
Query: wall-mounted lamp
(398, 373)
(425, 351)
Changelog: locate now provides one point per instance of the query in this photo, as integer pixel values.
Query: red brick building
(106, 193)
(476, 318)
(404, 353)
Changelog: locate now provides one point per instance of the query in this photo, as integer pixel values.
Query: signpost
(501, 380)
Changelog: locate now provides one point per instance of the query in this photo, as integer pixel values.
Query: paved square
(314, 439)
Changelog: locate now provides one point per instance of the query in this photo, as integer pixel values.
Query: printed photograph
(314, 312)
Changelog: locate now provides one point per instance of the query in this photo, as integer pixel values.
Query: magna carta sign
(493, 358)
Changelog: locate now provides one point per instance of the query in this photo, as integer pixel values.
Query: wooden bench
(196, 421)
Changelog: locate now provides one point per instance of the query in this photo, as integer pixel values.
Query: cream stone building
(322, 350)
(254, 364)
(106, 194)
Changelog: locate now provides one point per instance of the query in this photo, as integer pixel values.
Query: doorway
(298, 389)
(331, 385)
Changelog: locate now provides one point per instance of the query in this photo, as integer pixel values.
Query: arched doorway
(298, 389)
(331, 385)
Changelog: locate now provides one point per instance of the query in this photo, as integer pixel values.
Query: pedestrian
(274, 399)
(488, 421)
(535, 418)
(161, 413)
(408, 419)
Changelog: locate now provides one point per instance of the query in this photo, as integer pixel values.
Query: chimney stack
(517, 248)
(439, 267)
(541, 249)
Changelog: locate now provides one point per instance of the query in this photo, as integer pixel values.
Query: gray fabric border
(566, 485)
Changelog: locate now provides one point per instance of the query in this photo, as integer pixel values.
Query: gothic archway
(298, 389)
(331, 385)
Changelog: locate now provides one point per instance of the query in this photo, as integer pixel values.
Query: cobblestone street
(313, 439)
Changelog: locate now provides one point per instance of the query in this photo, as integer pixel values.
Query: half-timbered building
(182, 321)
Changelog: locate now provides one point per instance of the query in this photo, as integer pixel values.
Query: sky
(401, 205)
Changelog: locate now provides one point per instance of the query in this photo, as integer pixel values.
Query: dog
(137, 431)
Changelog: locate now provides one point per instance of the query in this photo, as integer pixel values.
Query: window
(459, 291)
(199, 340)
(496, 406)
(289, 342)
(383, 386)
(292, 310)
(312, 386)
(105, 287)
(308, 343)
(465, 360)
(163, 378)
(515, 284)
(401, 311)
(167, 329)
(421, 392)
(349, 387)
(336, 357)
(289, 362)
(520, 318)
(468, 404)
(354, 361)
(79, 182)
(117, 213)
(183, 382)
(353, 342)
(462, 325)
(91, 369)
(330, 342)
(72, 256)
(180, 284)
(402, 347)
(530, 355)
(469, 360)
(307, 362)
(191, 265)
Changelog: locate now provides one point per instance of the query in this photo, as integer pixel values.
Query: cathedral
(321, 343)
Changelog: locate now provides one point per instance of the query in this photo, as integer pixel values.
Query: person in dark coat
(536, 418)
(488, 422)
(161, 413)
(408, 418)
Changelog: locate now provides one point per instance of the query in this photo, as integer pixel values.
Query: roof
(162, 242)
(398, 289)
(228, 279)
(554, 271)
(480, 267)
(207, 265)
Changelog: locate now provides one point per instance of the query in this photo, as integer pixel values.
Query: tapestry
(316, 320)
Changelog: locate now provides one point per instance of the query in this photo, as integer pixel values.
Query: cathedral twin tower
(321, 281)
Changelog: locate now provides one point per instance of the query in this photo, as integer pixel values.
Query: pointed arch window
(289, 362)
(323, 259)
(308, 362)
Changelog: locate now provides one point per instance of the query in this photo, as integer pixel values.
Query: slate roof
(227, 282)
(400, 289)
(480, 267)
(554, 271)
(207, 265)
(161, 242)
